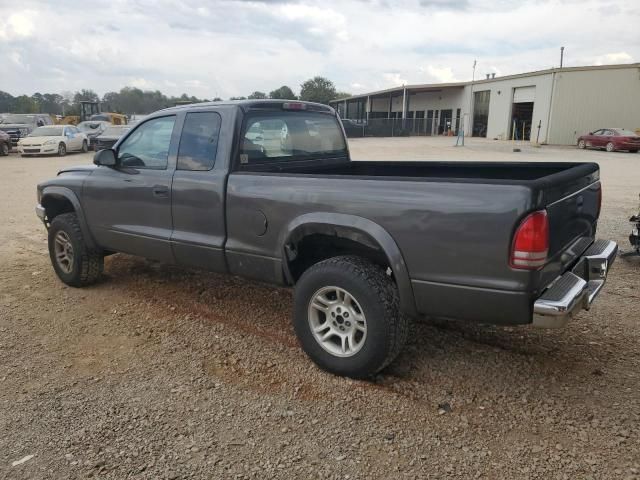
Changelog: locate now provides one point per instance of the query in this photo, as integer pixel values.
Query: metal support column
(404, 103)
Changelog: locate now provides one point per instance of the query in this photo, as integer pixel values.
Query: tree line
(131, 100)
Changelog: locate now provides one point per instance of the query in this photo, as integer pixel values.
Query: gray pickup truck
(266, 190)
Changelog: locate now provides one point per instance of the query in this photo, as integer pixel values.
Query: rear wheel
(347, 316)
(4, 149)
(74, 263)
(582, 145)
(633, 151)
(610, 147)
(62, 150)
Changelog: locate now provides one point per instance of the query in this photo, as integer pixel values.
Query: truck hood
(78, 169)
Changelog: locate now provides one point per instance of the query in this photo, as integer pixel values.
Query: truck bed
(439, 170)
(453, 221)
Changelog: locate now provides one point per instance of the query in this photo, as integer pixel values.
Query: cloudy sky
(233, 47)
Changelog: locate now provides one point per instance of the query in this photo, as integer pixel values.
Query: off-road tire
(87, 264)
(4, 150)
(62, 150)
(376, 293)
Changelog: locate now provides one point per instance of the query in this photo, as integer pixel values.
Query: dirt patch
(159, 372)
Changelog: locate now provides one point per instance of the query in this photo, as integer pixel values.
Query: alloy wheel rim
(63, 250)
(337, 321)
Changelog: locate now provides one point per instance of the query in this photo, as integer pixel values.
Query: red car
(611, 139)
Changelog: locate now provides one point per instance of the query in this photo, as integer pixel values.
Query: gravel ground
(164, 373)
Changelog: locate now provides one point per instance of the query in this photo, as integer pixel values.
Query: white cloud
(230, 48)
(612, 58)
(439, 74)
(17, 25)
(394, 79)
(141, 83)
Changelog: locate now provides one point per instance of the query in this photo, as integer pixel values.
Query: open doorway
(521, 117)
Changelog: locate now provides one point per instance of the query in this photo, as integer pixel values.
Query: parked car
(53, 139)
(611, 139)
(20, 125)
(110, 136)
(366, 245)
(5, 143)
(93, 129)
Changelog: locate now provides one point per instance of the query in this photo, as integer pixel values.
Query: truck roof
(248, 104)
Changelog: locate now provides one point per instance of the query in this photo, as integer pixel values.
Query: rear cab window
(199, 141)
(281, 136)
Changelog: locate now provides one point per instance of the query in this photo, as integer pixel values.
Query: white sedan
(53, 139)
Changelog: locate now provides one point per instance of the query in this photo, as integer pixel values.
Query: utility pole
(561, 56)
(473, 77)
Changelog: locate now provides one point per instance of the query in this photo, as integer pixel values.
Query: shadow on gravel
(435, 346)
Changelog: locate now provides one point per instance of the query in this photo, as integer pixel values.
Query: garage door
(524, 94)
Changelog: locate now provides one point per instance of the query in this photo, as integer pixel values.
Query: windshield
(20, 118)
(46, 132)
(290, 136)
(90, 126)
(115, 131)
(626, 133)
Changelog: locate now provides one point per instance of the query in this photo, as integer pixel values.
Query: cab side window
(199, 141)
(148, 145)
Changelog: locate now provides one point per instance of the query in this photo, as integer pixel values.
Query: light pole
(473, 77)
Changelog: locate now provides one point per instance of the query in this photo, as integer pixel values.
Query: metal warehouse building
(552, 106)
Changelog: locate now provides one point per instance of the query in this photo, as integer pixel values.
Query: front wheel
(62, 150)
(74, 263)
(4, 149)
(582, 145)
(85, 146)
(610, 147)
(347, 316)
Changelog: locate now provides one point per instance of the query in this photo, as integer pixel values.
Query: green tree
(257, 95)
(25, 104)
(237, 98)
(85, 95)
(340, 95)
(318, 89)
(283, 93)
(6, 102)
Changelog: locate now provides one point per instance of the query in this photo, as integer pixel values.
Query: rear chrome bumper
(577, 289)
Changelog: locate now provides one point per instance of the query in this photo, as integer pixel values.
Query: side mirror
(106, 158)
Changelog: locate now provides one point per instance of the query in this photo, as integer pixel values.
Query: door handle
(160, 191)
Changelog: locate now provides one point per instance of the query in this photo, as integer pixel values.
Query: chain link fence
(401, 127)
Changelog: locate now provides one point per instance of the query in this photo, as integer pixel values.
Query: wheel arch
(58, 200)
(314, 237)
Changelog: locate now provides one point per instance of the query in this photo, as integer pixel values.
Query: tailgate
(573, 207)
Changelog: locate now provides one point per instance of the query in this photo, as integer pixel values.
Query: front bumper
(575, 290)
(37, 149)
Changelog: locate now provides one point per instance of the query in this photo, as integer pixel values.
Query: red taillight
(531, 242)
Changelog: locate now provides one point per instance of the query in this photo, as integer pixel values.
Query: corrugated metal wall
(586, 100)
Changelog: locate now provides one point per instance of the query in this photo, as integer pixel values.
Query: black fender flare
(356, 228)
(68, 194)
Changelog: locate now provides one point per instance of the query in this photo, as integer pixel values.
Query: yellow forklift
(92, 111)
